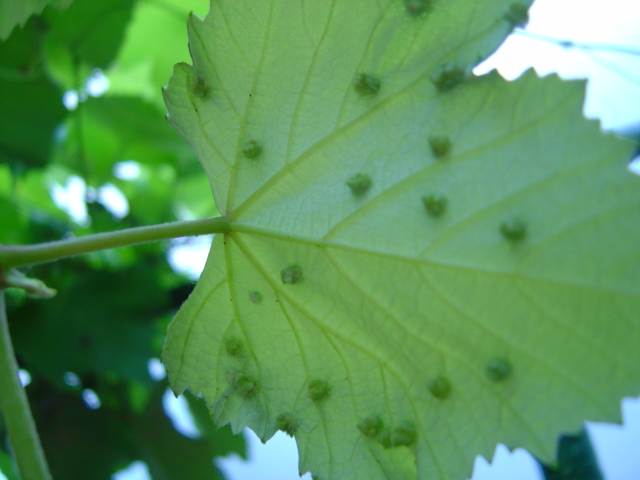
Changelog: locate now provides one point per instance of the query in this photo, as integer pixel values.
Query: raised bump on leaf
(447, 77)
(403, 435)
(201, 87)
(518, 14)
(233, 346)
(371, 426)
(292, 274)
(319, 390)
(384, 437)
(440, 146)
(440, 387)
(286, 423)
(513, 230)
(255, 296)
(435, 204)
(246, 385)
(418, 7)
(360, 184)
(498, 369)
(252, 149)
(366, 84)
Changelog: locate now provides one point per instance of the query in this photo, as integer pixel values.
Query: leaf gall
(359, 184)
(440, 146)
(247, 385)
(518, 14)
(292, 274)
(498, 369)
(403, 435)
(201, 87)
(435, 204)
(286, 423)
(252, 150)
(233, 346)
(513, 230)
(440, 387)
(255, 296)
(448, 77)
(416, 8)
(319, 390)
(371, 426)
(366, 84)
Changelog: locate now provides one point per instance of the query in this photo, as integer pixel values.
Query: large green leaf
(14, 13)
(420, 263)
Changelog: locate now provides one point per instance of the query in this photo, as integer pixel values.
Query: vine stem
(18, 256)
(15, 409)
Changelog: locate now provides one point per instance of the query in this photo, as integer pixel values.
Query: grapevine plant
(412, 263)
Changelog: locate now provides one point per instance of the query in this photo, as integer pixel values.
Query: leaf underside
(421, 263)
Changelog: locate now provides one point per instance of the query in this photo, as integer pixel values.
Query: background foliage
(112, 309)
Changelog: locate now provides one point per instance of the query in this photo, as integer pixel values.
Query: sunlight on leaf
(422, 263)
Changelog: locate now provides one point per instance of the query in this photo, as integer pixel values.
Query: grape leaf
(14, 13)
(421, 263)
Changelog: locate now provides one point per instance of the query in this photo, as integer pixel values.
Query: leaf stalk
(14, 406)
(21, 255)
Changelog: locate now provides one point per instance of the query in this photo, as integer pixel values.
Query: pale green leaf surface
(391, 296)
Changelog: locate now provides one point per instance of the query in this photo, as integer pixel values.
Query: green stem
(15, 409)
(18, 256)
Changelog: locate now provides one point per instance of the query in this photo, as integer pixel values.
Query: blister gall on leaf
(440, 387)
(366, 84)
(513, 230)
(287, 423)
(252, 150)
(384, 437)
(436, 205)
(517, 14)
(246, 385)
(233, 346)
(319, 390)
(418, 7)
(440, 146)
(255, 296)
(403, 435)
(498, 369)
(371, 426)
(201, 87)
(447, 77)
(360, 184)
(292, 274)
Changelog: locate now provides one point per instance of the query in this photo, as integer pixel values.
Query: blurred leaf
(172, 456)
(576, 459)
(82, 444)
(144, 65)
(30, 103)
(91, 30)
(100, 322)
(17, 12)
